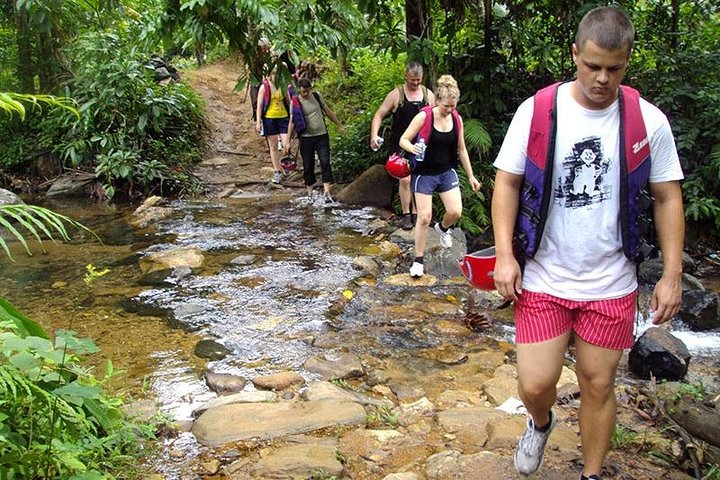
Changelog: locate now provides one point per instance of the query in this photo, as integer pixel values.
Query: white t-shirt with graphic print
(580, 256)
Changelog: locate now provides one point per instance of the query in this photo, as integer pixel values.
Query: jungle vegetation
(76, 89)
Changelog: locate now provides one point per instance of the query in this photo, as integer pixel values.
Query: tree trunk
(416, 17)
(24, 50)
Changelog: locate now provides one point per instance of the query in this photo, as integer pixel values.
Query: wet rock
(413, 413)
(700, 309)
(142, 410)
(211, 467)
(659, 354)
(468, 425)
(175, 257)
(341, 366)
(187, 310)
(244, 260)
(405, 280)
(371, 453)
(406, 392)
(142, 309)
(158, 278)
(329, 391)
(651, 270)
(278, 381)
(300, 462)
(211, 350)
(376, 377)
(452, 465)
(74, 184)
(9, 198)
(242, 397)
(237, 422)
(457, 398)
(502, 385)
(368, 265)
(373, 188)
(402, 476)
(149, 213)
(224, 382)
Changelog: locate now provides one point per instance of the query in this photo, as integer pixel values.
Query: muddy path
(238, 156)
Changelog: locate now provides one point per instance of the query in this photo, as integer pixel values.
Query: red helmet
(478, 268)
(397, 166)
(289, 164)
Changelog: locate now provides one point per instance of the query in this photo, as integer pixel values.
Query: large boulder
(74, 184)
(700, 309)
(9, 198)
(659, 354)
(374, 188)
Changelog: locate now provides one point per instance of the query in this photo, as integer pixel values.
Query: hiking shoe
(309, 199)
(591, 477)
(417, 270)
(277, 177)
(407, 222)
(327, 200)
(531, 447)
(445, 237)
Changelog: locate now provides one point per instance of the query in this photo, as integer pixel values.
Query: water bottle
(420, 156)
(379, 142)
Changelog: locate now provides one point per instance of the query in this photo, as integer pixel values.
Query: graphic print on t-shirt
(582, 181)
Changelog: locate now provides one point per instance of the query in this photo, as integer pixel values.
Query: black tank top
(401, 119)
(441, 153)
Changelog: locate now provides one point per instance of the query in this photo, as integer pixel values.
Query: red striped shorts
(605, 323)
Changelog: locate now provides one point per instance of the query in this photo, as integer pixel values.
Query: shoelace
(532, 441)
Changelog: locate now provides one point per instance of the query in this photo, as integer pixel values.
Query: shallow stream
(276, 280)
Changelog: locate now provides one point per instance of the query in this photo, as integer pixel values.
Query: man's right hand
(508, 277)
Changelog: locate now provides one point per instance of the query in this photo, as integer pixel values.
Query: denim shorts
(428, 184)
(275, 126)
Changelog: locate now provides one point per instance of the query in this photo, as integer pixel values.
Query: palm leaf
(12, 103)
(36, 220)
(476, 136)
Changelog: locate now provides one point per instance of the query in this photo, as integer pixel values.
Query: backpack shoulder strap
(317, 97)
(425, 95)
(542, 125)
(457, 121)
(426, 127)
(633, 131)
(401, 96)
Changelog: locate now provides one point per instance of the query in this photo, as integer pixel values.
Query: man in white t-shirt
(580, 279)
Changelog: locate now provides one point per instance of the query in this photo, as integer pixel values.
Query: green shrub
(56, 420)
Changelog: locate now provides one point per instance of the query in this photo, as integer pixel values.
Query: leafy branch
(38, 222)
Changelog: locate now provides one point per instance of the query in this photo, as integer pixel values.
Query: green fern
(37, 222)
(476, 136)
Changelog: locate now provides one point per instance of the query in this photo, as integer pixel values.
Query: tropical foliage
(56, 419)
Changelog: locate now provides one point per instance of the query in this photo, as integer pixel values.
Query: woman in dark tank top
(436, 172)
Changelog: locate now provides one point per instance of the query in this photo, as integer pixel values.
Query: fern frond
(34, 220)
(476, 136)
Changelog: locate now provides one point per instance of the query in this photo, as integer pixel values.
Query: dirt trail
(237, 153)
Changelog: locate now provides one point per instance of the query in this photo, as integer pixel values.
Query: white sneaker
(327, 200)
(309, 199)
(445, 237)
(417, 270)
(531, 447)
(277, 177)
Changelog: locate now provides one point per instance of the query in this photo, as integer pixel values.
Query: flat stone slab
(236, 422)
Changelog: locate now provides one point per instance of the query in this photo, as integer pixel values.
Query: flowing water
(276, 278)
